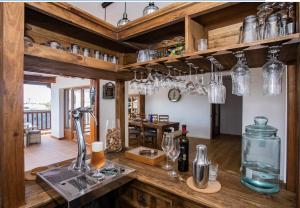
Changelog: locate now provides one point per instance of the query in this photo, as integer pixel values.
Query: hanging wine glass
(212, 84)
(141, 84)
(190, 87)
(272, 73)
(149, 84)
(240, 76)
(196, 82)
(201, 88)
(216, 90)
(134, 83)
(157, 77)
(221, 95)
(181, 83)
(168, 80)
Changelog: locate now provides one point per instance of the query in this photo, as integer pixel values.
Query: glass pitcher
(272, 26)
(260, 169)
(250, 29)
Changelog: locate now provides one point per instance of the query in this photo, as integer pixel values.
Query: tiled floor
(50, 151)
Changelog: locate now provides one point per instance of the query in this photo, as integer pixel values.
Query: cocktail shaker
(201, 167)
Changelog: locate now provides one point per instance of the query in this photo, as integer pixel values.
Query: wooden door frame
(12, 191)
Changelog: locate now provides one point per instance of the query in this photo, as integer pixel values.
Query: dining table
(160, 127)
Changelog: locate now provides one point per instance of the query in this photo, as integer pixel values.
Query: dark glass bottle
(183, 159)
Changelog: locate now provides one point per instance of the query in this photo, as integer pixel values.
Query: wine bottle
(183, 159)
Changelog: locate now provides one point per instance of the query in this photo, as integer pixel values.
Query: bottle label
(184, 157)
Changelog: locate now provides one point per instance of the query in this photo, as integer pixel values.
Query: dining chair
(135, 136)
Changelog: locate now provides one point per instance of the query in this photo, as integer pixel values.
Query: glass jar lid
(260, 127)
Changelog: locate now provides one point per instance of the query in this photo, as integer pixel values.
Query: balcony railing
(41, 119)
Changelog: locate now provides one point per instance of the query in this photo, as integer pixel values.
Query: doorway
(77, 97)
(226, 119)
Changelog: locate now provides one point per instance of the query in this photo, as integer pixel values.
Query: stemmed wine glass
(216, 90)
(157, 77)
(168, 81)
(202, 88)
(149, 84)
(181, 83)
(190, 87)
(240, 76)
(134, 83)
(166, 146)
(174, 154)
(140, 86)
(272, 73)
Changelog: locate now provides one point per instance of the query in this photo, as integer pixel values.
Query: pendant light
(124, 20)
(150, 9)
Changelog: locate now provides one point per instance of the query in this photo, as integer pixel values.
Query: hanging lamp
(150, 9)
(125, 19)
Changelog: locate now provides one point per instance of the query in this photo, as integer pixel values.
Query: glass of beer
(98, 156)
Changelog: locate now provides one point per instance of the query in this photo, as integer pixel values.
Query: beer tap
(80, 163)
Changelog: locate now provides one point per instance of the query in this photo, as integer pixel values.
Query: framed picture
(109, 91)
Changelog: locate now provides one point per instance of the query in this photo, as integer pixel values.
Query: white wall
(57, 102)
(107, 106)
(273, 107)
(115, 11)
(107, 111)
(232, 110)
(194, 111)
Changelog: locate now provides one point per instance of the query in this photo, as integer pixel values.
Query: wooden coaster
(212, 187)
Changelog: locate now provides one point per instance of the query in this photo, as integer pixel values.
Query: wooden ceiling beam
(75, 16)
(37, 79)
(170, 14)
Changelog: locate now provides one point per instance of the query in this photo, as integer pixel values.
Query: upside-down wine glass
(212, 84)
(134, 83)
(149, 84)
(240, 76)
(199, 83)
(272, 73)
(190, 87)
(141, 84)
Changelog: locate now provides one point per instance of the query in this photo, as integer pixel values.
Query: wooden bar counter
(154, 188)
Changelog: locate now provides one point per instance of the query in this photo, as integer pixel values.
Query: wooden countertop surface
(232, 194)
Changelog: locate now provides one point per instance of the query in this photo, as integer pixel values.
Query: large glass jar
(260, 169)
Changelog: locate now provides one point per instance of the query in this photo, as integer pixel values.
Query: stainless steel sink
(71, 188)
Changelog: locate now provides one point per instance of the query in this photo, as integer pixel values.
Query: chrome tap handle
(80, 164)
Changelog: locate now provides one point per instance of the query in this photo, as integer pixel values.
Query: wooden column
(193, 32)
(11, 105)
(120, 108)
(292, 148)
(298, 109)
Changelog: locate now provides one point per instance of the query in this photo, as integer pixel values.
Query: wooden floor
(50, 151)
(224, 150)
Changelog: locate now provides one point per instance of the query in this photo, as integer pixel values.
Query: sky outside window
(37, 97)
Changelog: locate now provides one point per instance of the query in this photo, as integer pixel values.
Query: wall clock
(174, 95)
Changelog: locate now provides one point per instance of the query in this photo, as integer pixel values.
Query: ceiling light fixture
(150, 8)
(124, 20)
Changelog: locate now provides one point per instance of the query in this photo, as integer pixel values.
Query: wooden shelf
(40, 58)
(255, 52)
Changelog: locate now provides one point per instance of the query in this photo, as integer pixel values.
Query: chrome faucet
(80, 163)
